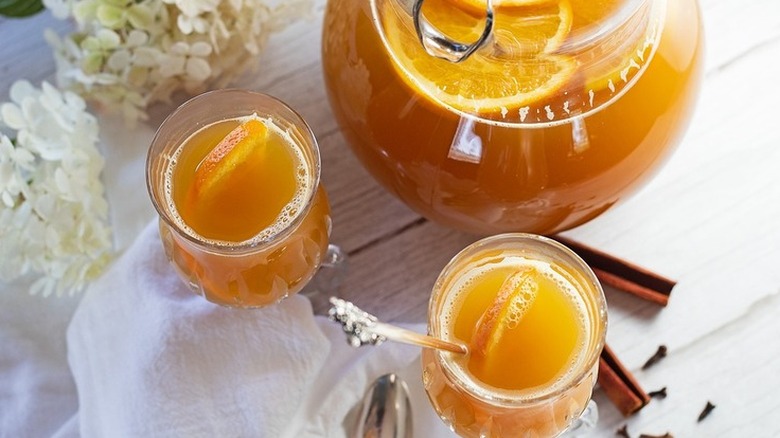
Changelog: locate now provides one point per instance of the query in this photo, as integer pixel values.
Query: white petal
(185, 24)
(200, 49)
(188, 7)
(22, 89)
(41, 286)
(107, 79)
(62, 181)
(8, 200)
(172, 66)
(119, 60)
(50, 99)
(60, 9)
(137, 38)
(108, 38)
(23, 157)
(31, 111)
(12, 116)
(52, 237)
(74, 101)
(6, 147)
(198, 69)
(179, 48)
(52, 38)
(199, 25)
(50, 91)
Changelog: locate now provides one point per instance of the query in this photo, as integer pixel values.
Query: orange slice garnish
(514, 298)
(519, 69)
(233, 150)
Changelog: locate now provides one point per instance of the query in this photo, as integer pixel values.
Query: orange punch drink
(234, 176)
(565, 109)
(533, 316)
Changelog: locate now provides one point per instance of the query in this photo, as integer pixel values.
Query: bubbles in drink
(303, 177)
(473, 276)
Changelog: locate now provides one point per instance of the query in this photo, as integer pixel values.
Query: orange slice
(514, 298)
(539, 29)
(520, 68)
(540, 26)
(227, 156)
(481, 4)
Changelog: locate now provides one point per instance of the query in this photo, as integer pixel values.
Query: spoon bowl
(386, 411)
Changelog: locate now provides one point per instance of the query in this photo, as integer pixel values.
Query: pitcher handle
(439, 45)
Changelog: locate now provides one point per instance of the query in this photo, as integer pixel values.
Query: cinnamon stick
(620, 386)
(623, 275)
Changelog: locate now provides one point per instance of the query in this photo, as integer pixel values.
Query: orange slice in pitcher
(227, 157)
(541, 28)
(537, 27)
(516, 295)
(519, 69)
(481, 4)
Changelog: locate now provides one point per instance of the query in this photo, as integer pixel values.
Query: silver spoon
(386, 411)
(363, 328)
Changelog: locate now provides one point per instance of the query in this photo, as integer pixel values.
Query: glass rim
(483, 392)
(228, 247)
(597, 31)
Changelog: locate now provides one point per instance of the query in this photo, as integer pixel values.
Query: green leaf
(20, 8)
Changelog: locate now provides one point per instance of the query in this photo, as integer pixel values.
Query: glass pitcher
(516, 115)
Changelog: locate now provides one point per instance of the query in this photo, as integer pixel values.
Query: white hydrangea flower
(129, 54)
(53, 215)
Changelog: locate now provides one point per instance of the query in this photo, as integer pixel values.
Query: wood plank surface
(710, 219)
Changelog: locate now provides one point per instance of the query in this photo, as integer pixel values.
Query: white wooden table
(710, 219)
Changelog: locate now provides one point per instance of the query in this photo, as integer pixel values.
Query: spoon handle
(363, 328)
(398, 334)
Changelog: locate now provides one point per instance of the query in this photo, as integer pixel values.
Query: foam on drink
(277, 137)
(468, 282)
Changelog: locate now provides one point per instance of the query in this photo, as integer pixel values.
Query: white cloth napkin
(150, 358)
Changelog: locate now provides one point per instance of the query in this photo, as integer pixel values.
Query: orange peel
(512, 301)
(233, 150)
(520, 69)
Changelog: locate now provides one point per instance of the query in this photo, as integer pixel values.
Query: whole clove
(706, 412)
(655, 358)
(666, 435)
(660, 394)
(623, 432)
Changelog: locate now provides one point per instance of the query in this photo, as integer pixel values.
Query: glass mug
(221, 240)
(491, 117)
(534, 317)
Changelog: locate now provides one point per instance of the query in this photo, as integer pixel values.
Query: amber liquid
(535, 349)
(254, 196)
(267, 250)
(540, 350)
(540, 179)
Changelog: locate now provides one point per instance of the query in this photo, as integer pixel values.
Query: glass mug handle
(583, 427)
(439, 45)
(327, 282)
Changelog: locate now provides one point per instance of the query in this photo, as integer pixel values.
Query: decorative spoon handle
(363, 328)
